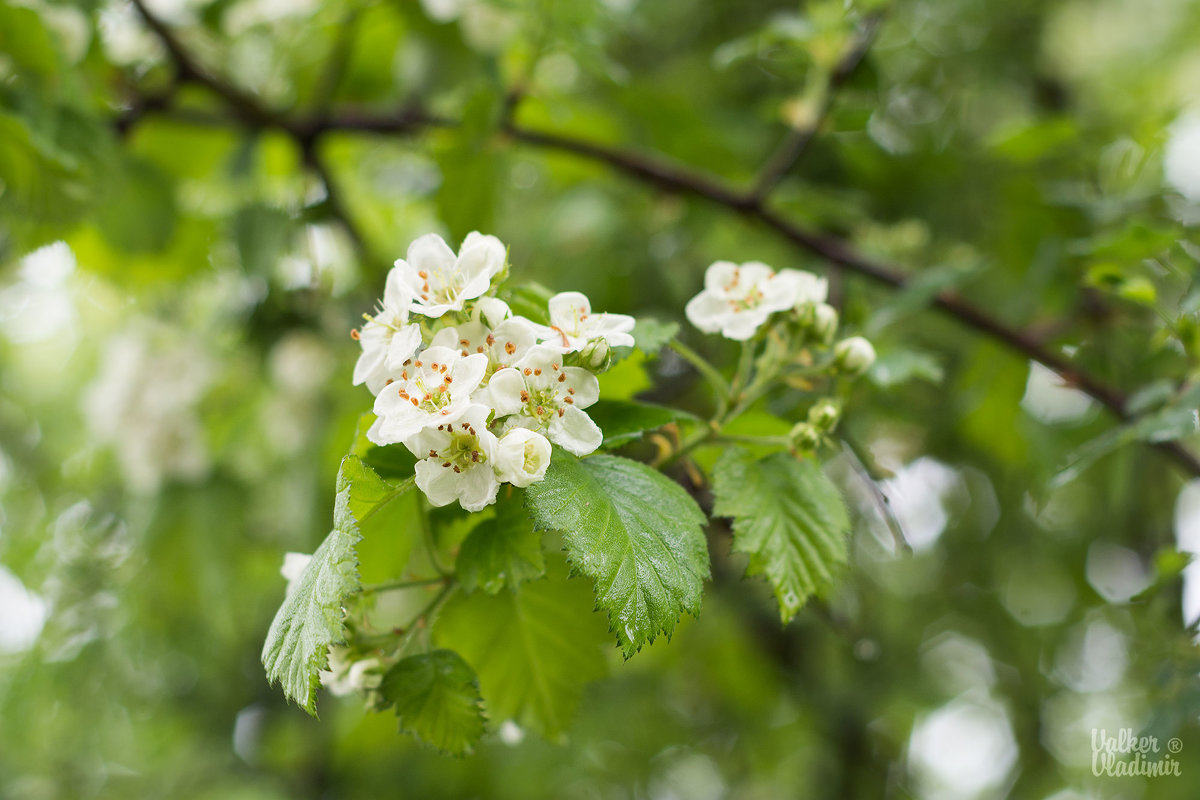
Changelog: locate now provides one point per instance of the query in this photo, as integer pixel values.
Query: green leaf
(436, 697)
(138, 212)
(310, 619)
(632, 530)
(533, 649)
(262, 235)
(651, 335)
(898, 366)
(622, 421)
(393, 460)
(504, 551)
(626, 378)
(788, 517)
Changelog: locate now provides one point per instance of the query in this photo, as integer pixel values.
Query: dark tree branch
(793, 146)
(244, 104)
(670, 177)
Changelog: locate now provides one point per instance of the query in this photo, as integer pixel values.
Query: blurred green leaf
(533, 648)
(138, 212)
(501, 552)
(623, 421)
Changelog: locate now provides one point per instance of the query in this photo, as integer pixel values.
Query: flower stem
(388, 586)
(719, 385)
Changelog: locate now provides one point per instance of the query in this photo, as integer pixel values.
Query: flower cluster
(475, 392)
(738, 299)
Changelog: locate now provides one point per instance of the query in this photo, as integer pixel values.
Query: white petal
(754, 274)
(446, 337)
(719, 275)
(504, 391)
(404, 346)
(397, 294)
(368, 362)
(477, 488)
(575, 432)
(585, 384)
(429, 254)
(491, 311)
(742, 324)
(566, 308)
(440, 484)
(375, 434)
(707, 312)
(480, 256)
(467, 373)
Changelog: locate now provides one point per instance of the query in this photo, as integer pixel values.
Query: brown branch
(678, 179)
(793, 146)
(244, 104)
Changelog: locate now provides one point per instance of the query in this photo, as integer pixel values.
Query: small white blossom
(504, 345)
(824, 321)
(491, 311)
(738, 299)
(439, 281)
(855, 355)
(545, 396)
(457, 461)
(522, 457)
(430, 390)
(387, 339)
(293, 567)
(573, 325)
(346, 677)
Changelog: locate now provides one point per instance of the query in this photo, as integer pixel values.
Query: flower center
(463, 450)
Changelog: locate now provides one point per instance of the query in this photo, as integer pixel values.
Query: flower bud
(824, 322)
(854, 355)
(804, 436)
(596, 356)
(522, 457)
(824, 415)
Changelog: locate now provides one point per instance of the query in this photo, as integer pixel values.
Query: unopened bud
(854, 355)
(824, 415)
(596, 356)
(824, 322)
(804, 436)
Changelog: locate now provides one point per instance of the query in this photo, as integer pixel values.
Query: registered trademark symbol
(1174, 745)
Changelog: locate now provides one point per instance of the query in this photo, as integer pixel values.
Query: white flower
(457, 461)
(439, 281)
(573, 325)
(432, 389)
(855, 355)
(345, 677)
(387, 339)
(738, 299)
(543, 395)
(522, 457)
(809, 288)
(504, 345)
(293, 567)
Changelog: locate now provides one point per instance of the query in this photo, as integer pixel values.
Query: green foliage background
(175, 389)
